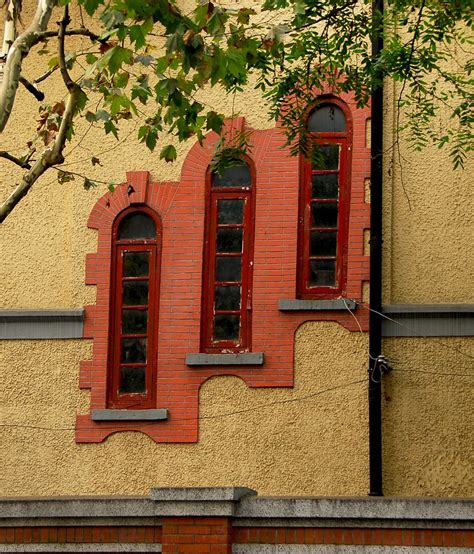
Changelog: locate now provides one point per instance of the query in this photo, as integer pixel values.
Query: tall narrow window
(324, 199)
(134, 311)
(226, 317)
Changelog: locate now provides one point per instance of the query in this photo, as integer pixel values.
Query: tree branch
(50, 156)
(30, 87)
(18, 50)
(18, 161)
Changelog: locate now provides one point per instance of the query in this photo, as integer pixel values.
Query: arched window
(324, 197)
(134, 310)
(227, 281)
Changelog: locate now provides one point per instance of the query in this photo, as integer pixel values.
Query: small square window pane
(323, 243)
(229, 240)
(227, 298)
(230, 211)
(325, 185)
(134, 321)
(326, 156)
(322, 273)
(132, 379)
(135, 293)
(135, 264)
(324, 214)
(226, 327)
(133, 351)
(228, 268)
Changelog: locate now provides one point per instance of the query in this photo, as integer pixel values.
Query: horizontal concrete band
(428, 320)
(130, 415)
(244, 506)
(334, 549)
(81, 547)
(41, 324)
(401, 320)
(295, 305)
(241, 358)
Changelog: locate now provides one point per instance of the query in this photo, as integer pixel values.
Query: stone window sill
(129, 415)
(294, 305)
(241, 358)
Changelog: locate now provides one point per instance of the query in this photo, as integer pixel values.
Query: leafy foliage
(156, 55)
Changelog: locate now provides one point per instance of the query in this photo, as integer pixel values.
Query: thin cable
(416, 332)
(217, 416)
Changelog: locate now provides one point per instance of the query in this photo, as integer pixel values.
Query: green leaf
(110, 128)
(90, 58)
(90, 5)
(89, 184)
(214, 122)
(168, 153)
(53, 62)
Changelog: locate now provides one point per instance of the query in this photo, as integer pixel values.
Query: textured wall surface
(263, 439)
(298, 443)
(428, 417)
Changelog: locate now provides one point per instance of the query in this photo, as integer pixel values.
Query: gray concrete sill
(41, 324)
(295, 305)
(129, 415)
(240, 358)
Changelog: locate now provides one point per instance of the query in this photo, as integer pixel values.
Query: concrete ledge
(294, 305)
(200, 494)
(246, 508)
(82, 547)
(41, 324)
(198, 501)
(241, 358)
(358, 508)
(428, 320)
(129, 415)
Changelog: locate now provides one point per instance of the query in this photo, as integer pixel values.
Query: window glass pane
(135, 264)
(327, 119)
(226, 327)
(237, 176)
(325, 185)
(322, 273)
(229, 240)
(230, 211)
(324, 215)
(323, 243)
(134, 321)
(132, 379)
(135, 293)
(326, 156)
(137, 225)
(228, 268)
(227, 298)
(133, 351)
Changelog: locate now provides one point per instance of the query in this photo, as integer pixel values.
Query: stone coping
(295, 305)
(159, 414)
(243, 505)
(238, 358)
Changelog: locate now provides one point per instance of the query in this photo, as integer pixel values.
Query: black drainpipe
(375, 324)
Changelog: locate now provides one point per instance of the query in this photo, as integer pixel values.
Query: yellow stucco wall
(289, 441)
(295, 445)
(428, 417)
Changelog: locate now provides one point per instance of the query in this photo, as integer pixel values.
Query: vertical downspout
(375, 324)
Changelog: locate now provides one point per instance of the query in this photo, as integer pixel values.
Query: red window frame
(214, 194)
(147, 399)
(304, 289)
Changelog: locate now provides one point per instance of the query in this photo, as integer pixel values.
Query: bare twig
(30, 87)
(18, 161)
